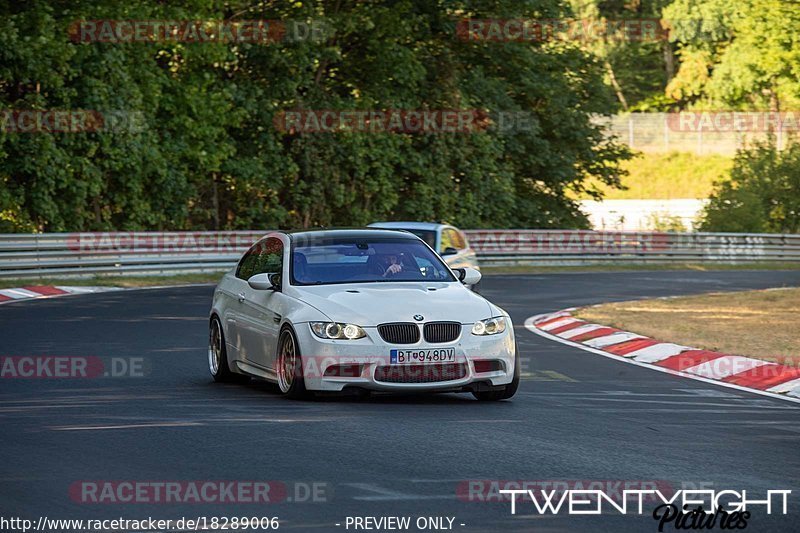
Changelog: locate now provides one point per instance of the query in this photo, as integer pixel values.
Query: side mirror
(468, 275)
(449, 251)
(265, 282)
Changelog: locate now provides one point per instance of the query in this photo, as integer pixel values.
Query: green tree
(763, 194)
(126, 179)
(637, 68)
(208, 156)
(744, 54)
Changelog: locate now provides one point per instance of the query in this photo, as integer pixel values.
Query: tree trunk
(616, 86)
(669, 62)
(215, 200)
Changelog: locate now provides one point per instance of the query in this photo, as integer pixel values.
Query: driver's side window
(247, 264)
(270, 257)
(264, 257)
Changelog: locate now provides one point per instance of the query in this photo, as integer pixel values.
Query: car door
(263, 310)
(234, 290)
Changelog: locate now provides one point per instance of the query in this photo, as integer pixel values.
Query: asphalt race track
(578, 416)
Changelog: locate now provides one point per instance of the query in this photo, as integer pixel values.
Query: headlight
(337, 330)
(490, 326)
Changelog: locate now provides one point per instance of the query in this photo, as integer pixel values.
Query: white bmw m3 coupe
(363, 310)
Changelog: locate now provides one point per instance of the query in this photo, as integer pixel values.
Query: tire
(218, 354)
(289, 365)
(505, 392)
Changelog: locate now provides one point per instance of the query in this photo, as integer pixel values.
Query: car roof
(432, 226)
(350, 233)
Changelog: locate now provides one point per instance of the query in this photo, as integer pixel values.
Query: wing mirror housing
(468, 275)
(265, 282)
(449, 251)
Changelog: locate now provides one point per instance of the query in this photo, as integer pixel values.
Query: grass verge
(759, 324)
(115, 281)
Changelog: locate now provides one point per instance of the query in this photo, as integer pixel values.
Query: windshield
(349, 260)
(429, 236)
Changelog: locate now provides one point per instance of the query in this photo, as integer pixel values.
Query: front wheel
(290, 367)
(504, 392)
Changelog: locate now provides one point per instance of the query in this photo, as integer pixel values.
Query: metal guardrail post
(39, 275)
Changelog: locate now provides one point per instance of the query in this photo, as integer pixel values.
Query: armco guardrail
(58, 254)
(576, 247)
(131, 253)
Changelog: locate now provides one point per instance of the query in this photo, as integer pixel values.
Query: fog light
(344, 371)
(486, 365)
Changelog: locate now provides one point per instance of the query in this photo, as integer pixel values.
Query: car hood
(370, 304)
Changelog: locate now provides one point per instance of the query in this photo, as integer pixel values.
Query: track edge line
(530, 326)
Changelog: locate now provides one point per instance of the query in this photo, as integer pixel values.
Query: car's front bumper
(372, 352)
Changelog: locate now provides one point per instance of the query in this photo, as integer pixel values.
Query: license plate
(410, 357)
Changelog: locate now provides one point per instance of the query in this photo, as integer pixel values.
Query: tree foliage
(763, 194)
(740, 55)
(208, 155)
(716, 54)
(637, 67)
